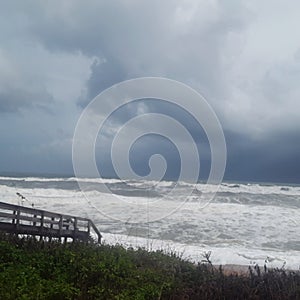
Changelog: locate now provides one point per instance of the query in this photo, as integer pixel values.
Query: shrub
(31, 269)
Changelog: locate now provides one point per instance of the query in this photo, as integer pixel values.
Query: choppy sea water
(243, 224)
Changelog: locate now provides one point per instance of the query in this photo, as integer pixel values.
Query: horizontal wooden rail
(30, 221)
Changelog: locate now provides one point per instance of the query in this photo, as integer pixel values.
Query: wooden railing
(30, 221)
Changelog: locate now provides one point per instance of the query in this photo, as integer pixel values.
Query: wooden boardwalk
(44, 224)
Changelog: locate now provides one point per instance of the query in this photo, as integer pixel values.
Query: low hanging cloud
(227, 51)
(242, 56)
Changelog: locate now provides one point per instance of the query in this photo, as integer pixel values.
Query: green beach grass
(31, 269)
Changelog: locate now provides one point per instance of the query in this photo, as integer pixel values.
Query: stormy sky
(242, 56)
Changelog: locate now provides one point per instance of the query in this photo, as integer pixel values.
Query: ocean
(244, 223)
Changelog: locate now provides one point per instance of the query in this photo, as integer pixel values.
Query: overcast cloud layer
(242, 56)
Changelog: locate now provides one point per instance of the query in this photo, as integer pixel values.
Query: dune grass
(31, 269)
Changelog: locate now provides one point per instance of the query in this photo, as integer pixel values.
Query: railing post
(60, 226)
(89, 227)
(75, 229)
(42, 219)
(34, 222)
(42, 225)
(75, 223)
(18, 218)
(14, 220)
(51, 225)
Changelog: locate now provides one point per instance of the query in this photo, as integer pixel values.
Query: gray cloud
(275, 159)
(242, 56)
(200, 43)
(14, 100)
(103, 75)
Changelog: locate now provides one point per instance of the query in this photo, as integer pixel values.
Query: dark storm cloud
(103, 76)
(144, 147)
(181, 41)
(243, 57)
(272, 159)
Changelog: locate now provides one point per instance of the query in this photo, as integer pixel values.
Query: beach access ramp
(21, 220)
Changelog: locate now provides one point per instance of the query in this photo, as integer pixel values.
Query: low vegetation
(31, 269)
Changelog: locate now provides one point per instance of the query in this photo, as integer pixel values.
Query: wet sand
(235, 269)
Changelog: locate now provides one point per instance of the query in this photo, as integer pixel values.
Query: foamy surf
(244, 224)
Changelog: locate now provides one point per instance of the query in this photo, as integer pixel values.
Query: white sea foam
(235, 230)
(62, 179)
(218, 255)
(30, 179)
(251, 188)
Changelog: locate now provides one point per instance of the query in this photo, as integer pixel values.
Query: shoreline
(230, 257)
(234, 269)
